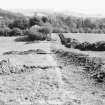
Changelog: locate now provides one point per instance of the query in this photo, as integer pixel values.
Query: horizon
(86, 7)
(30, 12)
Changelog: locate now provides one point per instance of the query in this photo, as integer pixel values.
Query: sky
(78, 6)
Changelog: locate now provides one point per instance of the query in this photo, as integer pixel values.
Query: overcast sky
(78, 6)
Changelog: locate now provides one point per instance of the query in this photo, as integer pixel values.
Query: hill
(10, 15)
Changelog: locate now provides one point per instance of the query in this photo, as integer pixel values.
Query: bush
(68, 42)
(36, 36)
(45, 30)
(34, 21)
(5, 31)
(39, 33)
(35, 28)
(21, 24)
(16, 32)
(1, 32)
(59, 30)
(99, 46)
(85, 46)
(93, 66)
(25, 32)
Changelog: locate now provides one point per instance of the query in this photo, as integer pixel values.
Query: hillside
(10, 15)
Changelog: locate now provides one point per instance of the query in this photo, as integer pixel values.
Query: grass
(9, 45)
(43, 83)
(86, 37)
(83, 46)
(92, 66)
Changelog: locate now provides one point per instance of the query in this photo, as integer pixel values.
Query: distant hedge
(85, 46)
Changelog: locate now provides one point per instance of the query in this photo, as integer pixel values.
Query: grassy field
(82, 37)
(8, 44)
(27, 78)
(33, 78)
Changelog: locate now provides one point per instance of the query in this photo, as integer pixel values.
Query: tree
(44, 19)
(35, 28)
(45, 30)
(5, 31)
(34, 21)
(88, 23)
(39, 33)
(22, 24)
(16, 32)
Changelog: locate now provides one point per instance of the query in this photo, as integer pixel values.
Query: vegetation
(85, 46)
(58, 23)
(93, 66)
(39, 33)
(78, 25)
(5, 31)
(22, 24)
(10, 16)
(16, 32)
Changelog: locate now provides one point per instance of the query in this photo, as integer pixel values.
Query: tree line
(56, 23)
